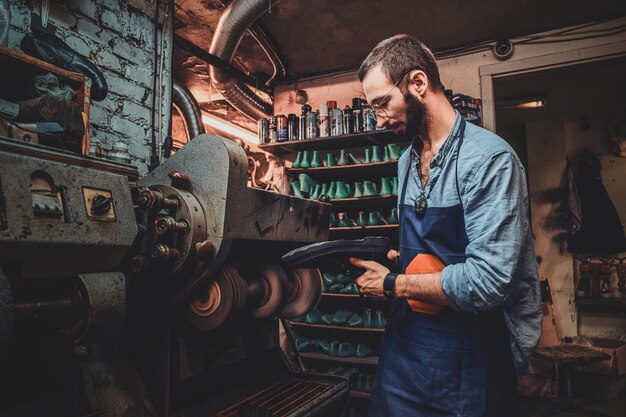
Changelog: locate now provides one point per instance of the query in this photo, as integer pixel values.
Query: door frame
(535, 64)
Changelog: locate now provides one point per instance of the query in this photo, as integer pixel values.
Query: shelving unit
(370, 360)
(351, 302)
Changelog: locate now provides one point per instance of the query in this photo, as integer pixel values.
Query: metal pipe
(189, 109)
(235, 20)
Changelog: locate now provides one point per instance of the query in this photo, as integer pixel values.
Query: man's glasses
(379, 108)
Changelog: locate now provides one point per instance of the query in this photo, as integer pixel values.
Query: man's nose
(381, 121)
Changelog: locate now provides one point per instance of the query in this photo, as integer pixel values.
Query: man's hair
(398, 55)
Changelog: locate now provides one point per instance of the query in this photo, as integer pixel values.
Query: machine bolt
(163, 253)
(179, 179)
(205, 250)
(101, 204)
(148, 199)
(168, 225)
(82, 352)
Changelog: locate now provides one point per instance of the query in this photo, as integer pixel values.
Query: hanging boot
(377, 154)
(317, 162)
(341, 190)
(343, 158)
(295, 186)
(386, 187)
(369, 189)
(361, 219)
(363, 350)
(307, 185)
(393, 216)
(367, 159)
(379, 320)
(296, 162)
(331, 190)
(305, 162)
(394, 151)
(331, 161)
(368, 322)
(354, 160)
(317, 191)
(358, 190)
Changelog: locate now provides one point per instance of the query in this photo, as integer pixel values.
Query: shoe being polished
(50, 48)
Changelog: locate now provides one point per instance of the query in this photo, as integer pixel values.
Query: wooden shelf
(609, 304)
(364, 203)
(359, 394)
(350, 173)
(333, 294)
(365, 231)
(355, 140)
(328, 326)
(370, 360)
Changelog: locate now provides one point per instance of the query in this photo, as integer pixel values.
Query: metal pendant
(420, 205)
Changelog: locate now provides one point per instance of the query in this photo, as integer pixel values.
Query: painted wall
(118, 36)
(552, 140)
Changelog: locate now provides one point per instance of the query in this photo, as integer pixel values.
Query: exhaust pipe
(235, 20)
(189, 109)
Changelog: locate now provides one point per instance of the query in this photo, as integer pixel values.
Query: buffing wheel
(224, 298)
(276, 288)
(305, 291)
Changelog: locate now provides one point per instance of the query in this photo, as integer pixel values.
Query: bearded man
(465, 310)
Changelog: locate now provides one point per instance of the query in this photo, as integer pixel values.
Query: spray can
(357, 114)
(337, 122)
(292, 127)
(311, 125)
(273, 131)
(281, 128)
(302, 125)
(324, 121)
(369, 118)
(348, 121)
(263, 126)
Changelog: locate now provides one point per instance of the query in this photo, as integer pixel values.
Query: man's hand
(371, 282)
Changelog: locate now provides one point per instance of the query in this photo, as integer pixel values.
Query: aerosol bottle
(302, 125)
(348, 121)
(357, 114)
(273, 131)
(324, 122)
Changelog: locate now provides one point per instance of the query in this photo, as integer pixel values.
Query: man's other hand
(371, 282)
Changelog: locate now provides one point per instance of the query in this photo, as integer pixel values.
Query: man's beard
(417, 117)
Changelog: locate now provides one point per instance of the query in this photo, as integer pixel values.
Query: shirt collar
(454, 133)
(447, 144)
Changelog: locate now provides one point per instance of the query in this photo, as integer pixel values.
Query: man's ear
(418, 82)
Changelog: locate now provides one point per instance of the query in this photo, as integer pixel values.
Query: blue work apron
(452, 363)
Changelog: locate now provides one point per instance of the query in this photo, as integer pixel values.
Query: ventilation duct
(234, 21)
(189, 109)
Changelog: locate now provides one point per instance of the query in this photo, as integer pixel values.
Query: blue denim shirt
(501, 268)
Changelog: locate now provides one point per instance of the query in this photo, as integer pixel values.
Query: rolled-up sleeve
(496, 221)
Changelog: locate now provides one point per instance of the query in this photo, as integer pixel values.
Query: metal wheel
(305, 291)
(276, 284)
(223, 299)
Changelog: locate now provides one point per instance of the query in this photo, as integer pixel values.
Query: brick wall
(118, 36)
